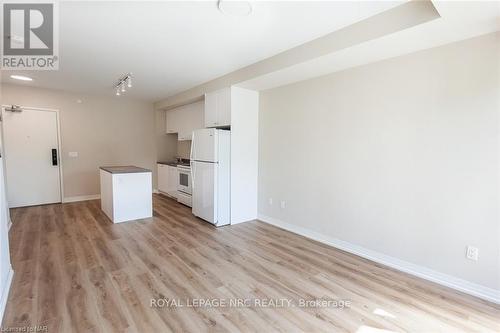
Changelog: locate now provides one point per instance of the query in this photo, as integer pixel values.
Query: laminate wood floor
(75, 271)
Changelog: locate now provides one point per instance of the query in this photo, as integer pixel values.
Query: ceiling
(458, 20)
(409, 27)
(172, 46)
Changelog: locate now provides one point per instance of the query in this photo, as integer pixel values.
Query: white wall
(244, 154)
(400, 157)
(103, 130)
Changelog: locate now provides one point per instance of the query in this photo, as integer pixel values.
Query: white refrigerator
(210, 175)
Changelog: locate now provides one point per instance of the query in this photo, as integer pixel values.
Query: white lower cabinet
(167, 179)
(162, 178)
(173, 178)
(126, 195)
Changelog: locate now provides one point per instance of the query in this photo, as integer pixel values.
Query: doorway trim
(34, 108)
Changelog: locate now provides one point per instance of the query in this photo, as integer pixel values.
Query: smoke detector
(235, 7)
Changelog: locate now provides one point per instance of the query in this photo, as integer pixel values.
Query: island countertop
(124, 169)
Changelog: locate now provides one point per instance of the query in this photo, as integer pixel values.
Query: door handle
(54, 157)
(192, 174)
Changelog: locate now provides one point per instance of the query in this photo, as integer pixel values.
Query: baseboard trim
(82, 198)
(459, 284)
(89, 197)
(5, 294)
(244, 221)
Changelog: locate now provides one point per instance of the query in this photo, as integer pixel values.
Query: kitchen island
(126, 193)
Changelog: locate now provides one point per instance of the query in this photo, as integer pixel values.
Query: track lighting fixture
(123, 82)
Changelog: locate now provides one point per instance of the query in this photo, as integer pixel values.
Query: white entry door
(31, 148)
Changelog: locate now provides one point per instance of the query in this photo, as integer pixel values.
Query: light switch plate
(472, 253)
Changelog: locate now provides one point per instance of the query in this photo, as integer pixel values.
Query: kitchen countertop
(124, 169)
(168, 163)
(173, 163)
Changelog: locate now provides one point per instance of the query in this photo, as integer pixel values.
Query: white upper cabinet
(192, 119)
(224, 107)
(211, 109)
(167, 179)
(218, 108)
(173, 121)
(184, 120)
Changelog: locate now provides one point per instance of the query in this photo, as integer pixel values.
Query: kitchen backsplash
(183, 148)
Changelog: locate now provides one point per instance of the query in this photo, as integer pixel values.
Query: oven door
(184, 182)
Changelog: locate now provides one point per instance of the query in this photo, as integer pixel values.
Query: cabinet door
(173, 176)
(224, 107)
(172, 124)
(193, 116)
(184, 135)
(185, 123)
(163, 178)
(211, 109)
(196, 117)
(183, 126)
(191, 119)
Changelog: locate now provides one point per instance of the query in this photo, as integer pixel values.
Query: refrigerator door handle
(192, 174)
(193, 142)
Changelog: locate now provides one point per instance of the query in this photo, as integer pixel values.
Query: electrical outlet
(472, 253)
(283, 204)
(270, 201)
